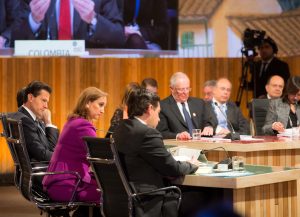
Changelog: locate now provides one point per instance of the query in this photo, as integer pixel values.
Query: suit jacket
(152, 19)
(171, 121)
(109, 30)
(279, 111)
(9, 13)
(275, 67)
(234, 115)
(145, 159)
(70, 154)
(40, 146)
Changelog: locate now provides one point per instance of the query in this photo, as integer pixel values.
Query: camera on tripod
(251, 40)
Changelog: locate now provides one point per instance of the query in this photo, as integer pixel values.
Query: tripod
(247, 65)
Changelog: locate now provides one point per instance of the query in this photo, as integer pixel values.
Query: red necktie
(64, 31)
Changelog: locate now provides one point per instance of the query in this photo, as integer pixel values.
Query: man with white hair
(180, 113)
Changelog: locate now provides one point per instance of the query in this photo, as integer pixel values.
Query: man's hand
(207, 131)
(85, 9)
(46, 118)
(38, 9)
(195, 161)
(2, 42)
(278, 126)
(222, 131)
(183, 136)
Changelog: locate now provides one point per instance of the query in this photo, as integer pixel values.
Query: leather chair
(259, 111)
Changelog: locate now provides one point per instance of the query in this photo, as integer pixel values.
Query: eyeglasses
(183, 90)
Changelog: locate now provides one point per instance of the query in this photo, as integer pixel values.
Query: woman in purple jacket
(70, 152)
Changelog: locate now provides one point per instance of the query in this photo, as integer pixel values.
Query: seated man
(274, 88)
(40, 135)
(150, 84)
(208, 89)
(181, 113)
(143, 154)
(97, 22)
(220, 111)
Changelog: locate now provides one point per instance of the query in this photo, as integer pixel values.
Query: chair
(28, 173)
(259, 111)
(5, 134)
(118, 198)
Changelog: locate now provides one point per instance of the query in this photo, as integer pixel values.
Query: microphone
(233, 135)
(227, 161)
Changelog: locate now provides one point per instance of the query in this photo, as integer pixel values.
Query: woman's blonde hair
(89, 94)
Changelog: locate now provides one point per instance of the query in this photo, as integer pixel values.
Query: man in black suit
(181, 113)
(144, 156)
(98, 22)
(225, 110)
(268, 65)
(9, 13)
(40, 135)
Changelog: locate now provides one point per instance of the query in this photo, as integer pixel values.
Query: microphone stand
(233, 135)
(225, 161)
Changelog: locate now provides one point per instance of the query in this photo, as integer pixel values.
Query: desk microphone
(227, 161)
(233, 135)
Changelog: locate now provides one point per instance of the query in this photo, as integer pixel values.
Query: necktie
(188, 119)
(263, 69)
(222, 122)
(39, 127)
(64, 28)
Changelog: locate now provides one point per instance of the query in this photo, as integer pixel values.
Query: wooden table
(271, 151)
(271, 191)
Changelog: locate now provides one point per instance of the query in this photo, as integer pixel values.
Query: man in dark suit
(40, 135)
(9, 13)
(144, 156)
(268, 65)
(220, 111)
(181, 113)
(98, 22)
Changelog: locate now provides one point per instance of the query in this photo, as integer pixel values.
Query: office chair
(28, 186)
(259, 111)
(118, 197)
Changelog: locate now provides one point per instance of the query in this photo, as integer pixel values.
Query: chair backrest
(17, 140)
(259, 111)
(116, 193)
(6, 134)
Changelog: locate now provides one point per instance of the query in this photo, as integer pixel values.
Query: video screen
(109, 24)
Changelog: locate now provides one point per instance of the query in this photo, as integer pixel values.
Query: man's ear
(30, 97)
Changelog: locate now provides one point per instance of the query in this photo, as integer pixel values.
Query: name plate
(50, 48)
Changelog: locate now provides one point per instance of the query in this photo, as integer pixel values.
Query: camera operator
(268, 66)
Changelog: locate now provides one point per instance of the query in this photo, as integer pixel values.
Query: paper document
(184, 154)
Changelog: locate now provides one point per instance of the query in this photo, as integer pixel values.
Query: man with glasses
(180, 113)
(221, 112)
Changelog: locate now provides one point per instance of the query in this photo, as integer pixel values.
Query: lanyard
(136, 11)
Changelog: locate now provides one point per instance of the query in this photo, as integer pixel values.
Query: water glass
(238, 163)
(196, 134)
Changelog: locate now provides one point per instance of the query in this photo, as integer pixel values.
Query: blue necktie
(188, 119)
(40, 128)
(222, 122)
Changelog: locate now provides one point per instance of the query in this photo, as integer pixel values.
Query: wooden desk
(272, 151)
(271, 191)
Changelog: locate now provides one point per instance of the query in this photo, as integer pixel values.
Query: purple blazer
(70, 154)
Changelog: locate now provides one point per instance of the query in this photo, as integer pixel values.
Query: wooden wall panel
(68, 76)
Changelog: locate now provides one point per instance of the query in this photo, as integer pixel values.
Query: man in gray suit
(180, 113)
(221, 111)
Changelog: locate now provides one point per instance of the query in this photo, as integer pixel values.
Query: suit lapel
(52, 23)
(193, 111)
(174, 108)
(76, 22)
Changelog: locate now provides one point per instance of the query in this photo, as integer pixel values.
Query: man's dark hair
(271, 42)
(20, 96)
(35, 88)
(139, 101)
(149, 81)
